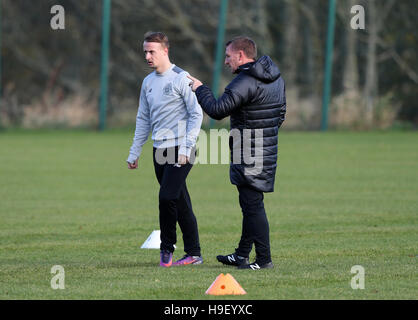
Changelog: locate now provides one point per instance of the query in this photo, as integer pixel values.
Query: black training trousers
(174, 203)
(255, 226)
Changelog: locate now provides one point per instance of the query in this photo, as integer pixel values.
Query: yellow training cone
(225, 285)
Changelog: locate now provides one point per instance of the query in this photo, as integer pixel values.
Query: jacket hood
(263, 69)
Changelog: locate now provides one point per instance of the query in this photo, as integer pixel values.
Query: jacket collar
(244, 66)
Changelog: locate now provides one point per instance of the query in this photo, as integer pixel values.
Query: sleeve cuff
(185, 151)
(198, 89)
(131, 158)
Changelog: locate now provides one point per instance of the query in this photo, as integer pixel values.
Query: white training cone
(153, 241)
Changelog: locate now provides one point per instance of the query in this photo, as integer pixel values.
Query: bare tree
(350, 73)
(291, 41)
(376, 17)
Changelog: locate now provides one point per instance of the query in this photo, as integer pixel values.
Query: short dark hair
(245, 44)
(159, 37)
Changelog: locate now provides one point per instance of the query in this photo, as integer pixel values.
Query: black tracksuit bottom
(255, 226)
(175, 204)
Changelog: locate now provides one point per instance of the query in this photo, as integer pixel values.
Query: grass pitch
(341, 199)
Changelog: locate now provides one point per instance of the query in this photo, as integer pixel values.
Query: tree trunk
(350, 75)
(263, 28)
(291, 42)
(371, 84)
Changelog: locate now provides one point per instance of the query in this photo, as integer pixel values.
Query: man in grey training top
(169, 109)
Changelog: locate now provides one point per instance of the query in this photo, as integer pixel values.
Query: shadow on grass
(126, 264)
(155, 264)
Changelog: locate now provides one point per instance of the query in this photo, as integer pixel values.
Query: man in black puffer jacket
(255, 100)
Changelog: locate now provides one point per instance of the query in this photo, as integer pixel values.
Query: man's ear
(241, 55)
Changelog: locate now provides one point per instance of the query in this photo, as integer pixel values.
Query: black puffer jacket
(255, 99)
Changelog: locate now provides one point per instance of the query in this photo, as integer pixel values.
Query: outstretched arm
(216, 108)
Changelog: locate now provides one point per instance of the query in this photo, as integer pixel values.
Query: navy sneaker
(257, 266)
(233, 260)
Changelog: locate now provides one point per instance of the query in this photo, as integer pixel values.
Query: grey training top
(169, 109)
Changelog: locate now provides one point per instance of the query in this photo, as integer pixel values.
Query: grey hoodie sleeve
(195, 116)
(143, 127)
